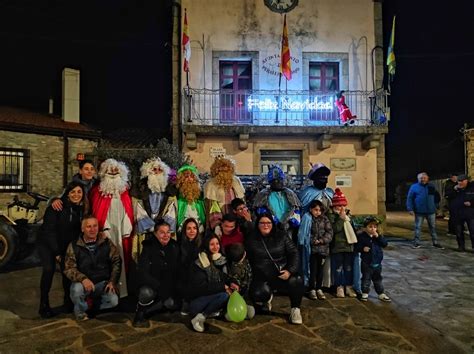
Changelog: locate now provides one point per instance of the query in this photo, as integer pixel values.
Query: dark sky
(122, 49)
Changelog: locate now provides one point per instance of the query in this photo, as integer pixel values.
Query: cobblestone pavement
(432, 312)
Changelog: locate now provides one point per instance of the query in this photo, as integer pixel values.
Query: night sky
(122, 48)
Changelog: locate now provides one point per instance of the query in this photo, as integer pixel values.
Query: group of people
(180, 246)
(423, 199)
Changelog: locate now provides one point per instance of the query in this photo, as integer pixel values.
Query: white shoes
(364, 297)
(385, 298)
(340, 292)
(295, 316)
(250, 312)
(350, 292)
(320, 294)
(312, 294)
(198, 322)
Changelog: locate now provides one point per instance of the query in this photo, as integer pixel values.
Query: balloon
(236, 307)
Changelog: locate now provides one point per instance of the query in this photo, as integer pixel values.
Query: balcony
(260, 108)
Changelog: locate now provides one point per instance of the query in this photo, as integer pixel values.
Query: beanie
(339, 198)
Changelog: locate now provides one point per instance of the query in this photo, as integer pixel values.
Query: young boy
(370, 245)
(240, 272)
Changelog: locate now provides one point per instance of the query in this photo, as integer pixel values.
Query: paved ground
(432, 312)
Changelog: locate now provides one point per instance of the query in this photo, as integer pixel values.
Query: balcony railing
(280, 108)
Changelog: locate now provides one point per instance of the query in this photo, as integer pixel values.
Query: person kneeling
(93, 265)
(157, 273)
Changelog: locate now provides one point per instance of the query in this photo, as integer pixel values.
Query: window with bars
(13, 170)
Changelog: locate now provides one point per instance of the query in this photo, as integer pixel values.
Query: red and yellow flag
(186, 44)
(285, 66)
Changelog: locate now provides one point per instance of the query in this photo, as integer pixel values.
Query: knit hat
(339, 198)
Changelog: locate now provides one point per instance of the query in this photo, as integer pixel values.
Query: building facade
(235, 102)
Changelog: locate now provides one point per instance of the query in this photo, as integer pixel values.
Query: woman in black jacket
(274, 260)
(59, 229)
(209, 285)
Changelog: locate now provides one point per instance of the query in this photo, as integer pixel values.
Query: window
(235, 81)
(324, 83)
(13, 170)
(288, 160)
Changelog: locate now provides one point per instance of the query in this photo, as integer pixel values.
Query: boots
(140, 321)
(45, 311)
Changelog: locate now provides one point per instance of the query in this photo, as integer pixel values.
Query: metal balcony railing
(279, 108)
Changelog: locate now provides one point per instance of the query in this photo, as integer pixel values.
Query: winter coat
(158, 267)
(207, 277)
(281, 248)
(376, 245)
(60, 228)
(241, 274)
(422, 198)
(457, 206)
(321, 230)
(339, 242)
(103, 264)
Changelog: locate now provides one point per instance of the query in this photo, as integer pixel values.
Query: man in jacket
(463, 210)
(157, 274)
(422, 201)
(93, 265)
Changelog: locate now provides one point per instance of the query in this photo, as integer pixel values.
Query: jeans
(342, 265)
(374, 275)
(208, 304)
(431, 219)
(316, 264)
(78, 297)
(460, 231)
(356, 273)
(48, 263)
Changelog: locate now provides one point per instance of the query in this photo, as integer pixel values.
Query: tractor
(19, 226)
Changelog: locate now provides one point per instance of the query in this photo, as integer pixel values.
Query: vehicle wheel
(8, 244)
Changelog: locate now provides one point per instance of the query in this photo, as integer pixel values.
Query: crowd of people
(180, 246)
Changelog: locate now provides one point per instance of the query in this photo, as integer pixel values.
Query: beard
(224, 179)
(157, 183)
(113, 185)
(189, 190)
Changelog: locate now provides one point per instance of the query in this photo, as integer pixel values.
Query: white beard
(157, 183)
(113, 185)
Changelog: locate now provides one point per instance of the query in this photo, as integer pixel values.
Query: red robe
(344, 111)
(100, 205)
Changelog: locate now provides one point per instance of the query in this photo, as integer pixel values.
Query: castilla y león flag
(285, 66)
(186, 44)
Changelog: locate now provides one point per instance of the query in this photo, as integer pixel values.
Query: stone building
(238, 104)
(469, 137)
(38, 152)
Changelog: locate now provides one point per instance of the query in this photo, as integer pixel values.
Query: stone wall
(470, 152)
(45, 166)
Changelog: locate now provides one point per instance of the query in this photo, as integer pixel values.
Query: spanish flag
(186, 44)
(285, 66)
(391, 63)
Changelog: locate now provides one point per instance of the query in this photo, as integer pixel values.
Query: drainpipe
(176, 47)
(65, 158)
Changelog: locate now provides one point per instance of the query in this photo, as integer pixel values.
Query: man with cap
(422, 201)
(463, 209)
(281, 201)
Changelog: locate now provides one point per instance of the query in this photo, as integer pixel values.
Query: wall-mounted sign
(271, 64)
(343, 181)
(316, 103)
(217, 151)
(343, 164)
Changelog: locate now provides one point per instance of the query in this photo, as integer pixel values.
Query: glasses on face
(264, 222)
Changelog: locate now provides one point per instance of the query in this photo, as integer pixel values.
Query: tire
(8, 244)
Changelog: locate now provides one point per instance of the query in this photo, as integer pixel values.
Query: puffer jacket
(281, 248)
(422, 198)
(321, 230)
(376, 245)
(339, 242)
(207, 277)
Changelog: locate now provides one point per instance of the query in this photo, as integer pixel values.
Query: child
(342, 256)
(316, 228)
(240, 272)
(370, 245)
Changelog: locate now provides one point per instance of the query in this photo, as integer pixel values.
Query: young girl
(319, 234)
(342, 256)
(209, 285)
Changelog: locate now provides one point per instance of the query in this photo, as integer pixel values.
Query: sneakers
(385, 298)
(185, 309)
(364, 297)
(82, 317)
(437, 245)
(295, 316)
(320, 294)
(416, 245)
(350, 292)
(267, 307)
(340, 292)
(250, 312)
(198, 322)
(214, 314)
(312, 295)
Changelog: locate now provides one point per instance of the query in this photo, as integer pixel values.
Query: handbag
(349, 232)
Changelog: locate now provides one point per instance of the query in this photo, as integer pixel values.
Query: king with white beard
(112, 206)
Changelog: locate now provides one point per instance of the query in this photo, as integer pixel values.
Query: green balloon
(236, 307)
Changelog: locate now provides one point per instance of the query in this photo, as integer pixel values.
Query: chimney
(51, 106)
(71, 95)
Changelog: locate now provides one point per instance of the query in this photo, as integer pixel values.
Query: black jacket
(457, 203)
(206, 279)
(281, 248)
(375, 255)
(60, 228)
(158, 266)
